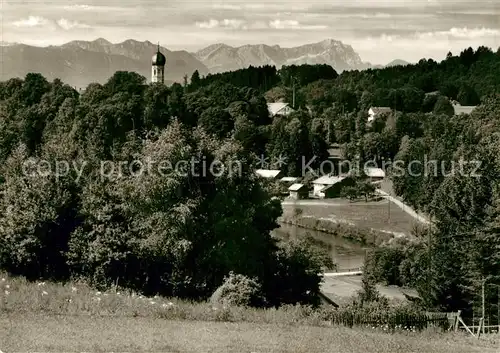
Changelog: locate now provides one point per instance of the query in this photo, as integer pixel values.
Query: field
(381, 216)
(50, 317)
(45, 333)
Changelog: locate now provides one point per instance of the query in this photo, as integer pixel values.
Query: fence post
(456, 320)
(481, 327)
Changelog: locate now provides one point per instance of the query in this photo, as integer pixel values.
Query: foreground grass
(49, 317)
(44, 333)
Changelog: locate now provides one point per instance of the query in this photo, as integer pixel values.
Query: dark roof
(159, 59)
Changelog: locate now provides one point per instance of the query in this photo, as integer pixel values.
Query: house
(279, 108)
(268, 173)
(462, 109)
(329, 186)
(298, 191)
(375, 112)
(374, 174)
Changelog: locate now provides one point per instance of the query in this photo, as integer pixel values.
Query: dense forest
(182, 234)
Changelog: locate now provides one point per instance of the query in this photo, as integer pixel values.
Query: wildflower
(118, 293)
(170, 304)
(7, 286)
(41, 284)
(3, 279)
(152, 302)
(45, 293)
(97, 299)
(73, 289)
(7, 292)
(97, 293)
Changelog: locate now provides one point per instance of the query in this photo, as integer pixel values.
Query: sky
(380, 31)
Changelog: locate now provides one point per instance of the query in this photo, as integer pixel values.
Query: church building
(158, 67)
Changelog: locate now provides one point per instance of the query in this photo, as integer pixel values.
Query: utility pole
(482, 304)
(293, 92)
(498, 309)
(429, 274)
(389, 209)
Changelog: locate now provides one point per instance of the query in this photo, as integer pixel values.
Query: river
(347, 254)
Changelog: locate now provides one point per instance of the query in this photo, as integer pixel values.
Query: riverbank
(370, 223)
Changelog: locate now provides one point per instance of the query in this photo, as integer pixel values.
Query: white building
(279, 108)
(298, 191)
(375, 112)
(463, 109)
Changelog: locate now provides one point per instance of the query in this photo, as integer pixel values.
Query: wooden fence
(393, 320)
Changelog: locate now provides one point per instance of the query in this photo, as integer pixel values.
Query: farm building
(298, 191)
(269, 173)
(329, 186)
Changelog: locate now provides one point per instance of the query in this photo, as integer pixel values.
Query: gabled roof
(463, 109)
(380, 110)
(328, 180)
(296, 187)
(374, 172)
(267, 173)
(275, 108)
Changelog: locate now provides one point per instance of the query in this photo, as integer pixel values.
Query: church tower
(158, 67)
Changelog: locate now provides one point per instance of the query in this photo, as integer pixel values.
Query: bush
(296, 275)
(238, 290)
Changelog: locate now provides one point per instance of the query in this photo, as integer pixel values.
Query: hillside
(79, 63)
(221, 57)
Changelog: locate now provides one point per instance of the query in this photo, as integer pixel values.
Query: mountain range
(79, 63)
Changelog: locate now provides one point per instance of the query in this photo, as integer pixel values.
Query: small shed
(298, 191)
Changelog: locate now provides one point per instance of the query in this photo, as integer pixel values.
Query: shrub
(238, 290)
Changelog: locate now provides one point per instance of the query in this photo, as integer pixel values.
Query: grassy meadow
(50, 317)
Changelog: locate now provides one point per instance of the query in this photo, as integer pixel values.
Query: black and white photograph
(236, 176)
